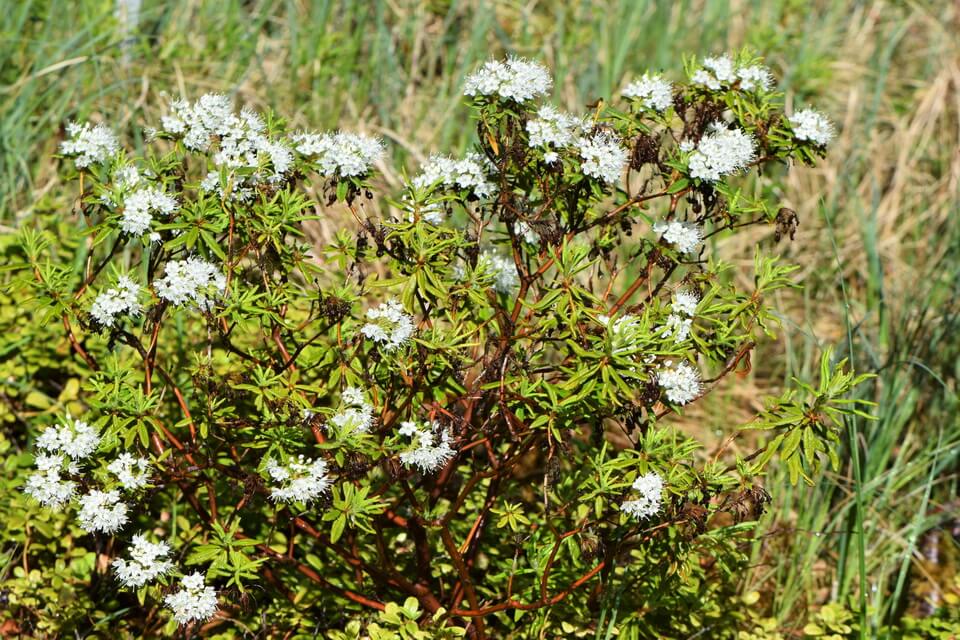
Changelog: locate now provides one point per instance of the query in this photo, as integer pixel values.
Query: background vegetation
(879, 236)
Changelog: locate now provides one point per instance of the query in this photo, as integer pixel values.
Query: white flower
(131, 472)
(603, 156)
(191, 281)
(388, 325)
(139, 206)
(102, 511)
(89, 145)
(680, 321)
(122, 299)
(148, 561)
(468, 174)
(513, 79)
(126, 177)
(527, 233)
(721, 67)
(242, 143)
(686, 237)
(357, 416)
(113, 302)
(75, 439)
(717, 71)
(652, 91)
(211, 115)
(623, 331)
(432, 444)
(300, 480)
(503, 269)
(721, 152)
(720, 71)
(650, 487)
(812, 125)
(552, 128)
(701, 76)
(194, 601)
(341, 153)
(47, 487)
(755, 77)
(681, 384)
(678, 326)
(685, 302)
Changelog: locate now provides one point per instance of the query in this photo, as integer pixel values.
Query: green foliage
(454, 404)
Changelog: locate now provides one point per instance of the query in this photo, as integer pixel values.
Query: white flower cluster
(102, 511)
(191, 281)
(388, 325)
(721, 152)
(603, 157)
(357, 414)
(211, 115)
(194, 601)
(75, 439)
(680, 320)
(148, 561)
(340, 154)
(650, 488)
(132, 472)
(126, 177)
(124, 298)
(65, 446)
(652, 91)
(432, 443)
(47, 485)
(89, 145)
(623, 331)
(139, 206)
(686, 237)
(552, 129)
(242, 143)
(514, 79)
(809, 124)
(721, 71)
(300, 480)
(503, 269)
(470, 174)
(681, 384)
(527, 233)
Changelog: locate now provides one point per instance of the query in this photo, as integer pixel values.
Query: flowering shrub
(466, 404)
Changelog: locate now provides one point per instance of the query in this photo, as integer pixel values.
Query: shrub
(464, 402)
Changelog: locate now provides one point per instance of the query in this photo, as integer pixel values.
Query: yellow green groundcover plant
(456, 419)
